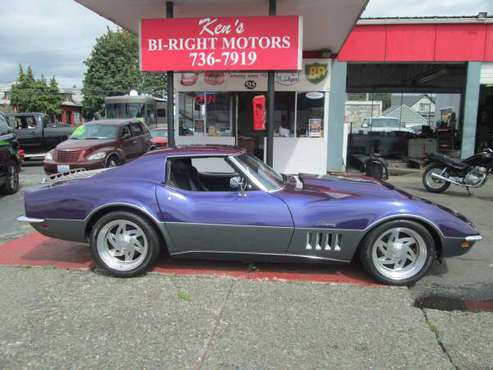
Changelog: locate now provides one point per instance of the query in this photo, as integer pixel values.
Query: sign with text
(221, 44)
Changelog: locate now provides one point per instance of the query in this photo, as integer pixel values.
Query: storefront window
(205, 114)
(284, 114)
(191, 112)
(218, 118)
(395, 125)
(310, 114)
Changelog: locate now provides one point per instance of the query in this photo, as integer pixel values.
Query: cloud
(53, 36)
(413, 8)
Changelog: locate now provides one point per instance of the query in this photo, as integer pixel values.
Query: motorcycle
(443, 171)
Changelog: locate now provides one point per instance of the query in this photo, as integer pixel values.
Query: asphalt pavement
(66, 319)
(12, 206)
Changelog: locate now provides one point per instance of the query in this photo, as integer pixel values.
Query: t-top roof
(326, 23)
(199, 150)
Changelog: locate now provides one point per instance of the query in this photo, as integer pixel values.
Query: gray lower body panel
(73, 230)
(224, 238)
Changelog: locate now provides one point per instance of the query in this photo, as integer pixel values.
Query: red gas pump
(259, 113)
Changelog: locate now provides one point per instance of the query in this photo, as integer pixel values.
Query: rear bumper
(30, 220)
(51, 167)
(74, 230)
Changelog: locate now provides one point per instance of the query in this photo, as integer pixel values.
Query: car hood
(72, 144)
(342, 187)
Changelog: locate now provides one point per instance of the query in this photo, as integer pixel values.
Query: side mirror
(125, 136)
(236, 182)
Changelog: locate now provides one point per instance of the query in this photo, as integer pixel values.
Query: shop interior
(230, 114)
(484, 129)
(402, 111)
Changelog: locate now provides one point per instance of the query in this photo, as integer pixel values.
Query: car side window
(25, 123)
(203, 174)
(136, 129)
(125, 133)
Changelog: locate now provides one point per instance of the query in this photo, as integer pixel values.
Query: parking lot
(216, 315)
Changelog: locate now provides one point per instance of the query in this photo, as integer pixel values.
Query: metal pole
(270, 101)
(170, 90)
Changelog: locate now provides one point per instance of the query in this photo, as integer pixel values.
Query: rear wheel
(431, 183)
(11, 185)
(124, 244)
(398, 252)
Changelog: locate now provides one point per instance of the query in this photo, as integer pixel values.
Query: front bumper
(51, 167)
(455, 246)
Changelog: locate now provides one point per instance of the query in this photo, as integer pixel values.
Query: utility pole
(270, 102)
(171, 90)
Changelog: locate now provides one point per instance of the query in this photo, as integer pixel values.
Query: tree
(113, 69)
(35, 95)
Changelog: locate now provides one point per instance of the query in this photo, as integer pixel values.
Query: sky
(56, 36)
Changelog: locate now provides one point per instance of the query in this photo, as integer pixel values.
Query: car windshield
(95, 132)
(267, 176)
(159, 133)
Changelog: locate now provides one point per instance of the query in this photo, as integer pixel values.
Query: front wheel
(398, 252)
(11, 185)
(112, 161)
(431, 183)
(124, 244)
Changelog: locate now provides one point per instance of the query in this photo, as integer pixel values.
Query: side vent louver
(320, 241)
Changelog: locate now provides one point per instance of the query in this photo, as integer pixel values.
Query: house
(5, 97)
(406, 115)
(422, 104)
(71, 105)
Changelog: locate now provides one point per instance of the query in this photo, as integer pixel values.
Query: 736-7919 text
(225, 58)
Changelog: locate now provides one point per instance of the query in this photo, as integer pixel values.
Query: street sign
(221, 44)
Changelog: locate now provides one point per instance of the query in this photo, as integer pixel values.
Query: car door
(29, 131)
(138, 133)
(225, 221)
(130, 144)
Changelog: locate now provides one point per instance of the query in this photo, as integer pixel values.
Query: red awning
(440, 42)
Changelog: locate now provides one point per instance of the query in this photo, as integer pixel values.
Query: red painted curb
(479, 306)
(37, 250)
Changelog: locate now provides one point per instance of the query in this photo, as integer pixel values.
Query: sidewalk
(59, 319)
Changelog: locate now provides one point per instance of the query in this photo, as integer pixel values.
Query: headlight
(96, 156)
(49, 156)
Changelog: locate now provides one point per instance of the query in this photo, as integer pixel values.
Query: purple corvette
(220, 202)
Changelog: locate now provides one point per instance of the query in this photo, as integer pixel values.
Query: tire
(113, 161)
(11, 185)
(384, 262)
(428, 182)
(116, 252)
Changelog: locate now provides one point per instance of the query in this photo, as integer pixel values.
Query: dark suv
(9, 158)
(99, 144)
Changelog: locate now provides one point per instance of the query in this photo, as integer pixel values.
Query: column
(335, 131)
(471, 103)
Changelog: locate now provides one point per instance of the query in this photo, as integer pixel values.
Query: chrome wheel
(122, 245)
(399, 253)
(433, 182)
